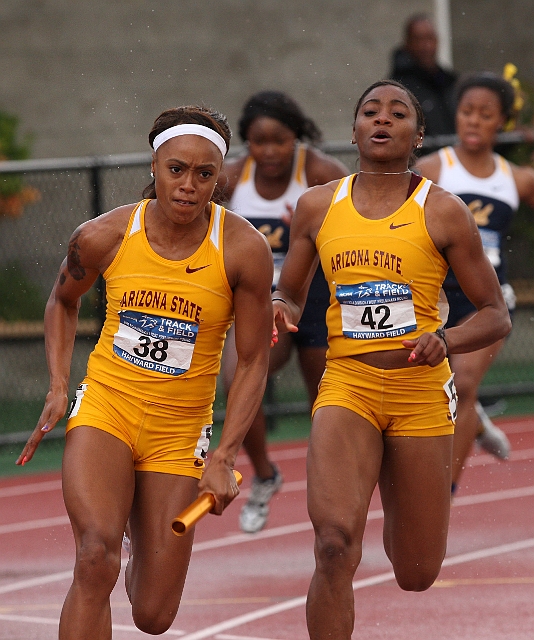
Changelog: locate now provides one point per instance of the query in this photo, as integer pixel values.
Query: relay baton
(196, 510)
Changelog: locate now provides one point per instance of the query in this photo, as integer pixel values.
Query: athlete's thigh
(415, 485)
(344, 458)
(159, 558)
(98, 484)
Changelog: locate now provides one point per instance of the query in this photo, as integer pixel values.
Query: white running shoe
(254, 513)
(126, 544)
(491, 438)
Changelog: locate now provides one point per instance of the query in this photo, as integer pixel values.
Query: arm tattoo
(73, 259)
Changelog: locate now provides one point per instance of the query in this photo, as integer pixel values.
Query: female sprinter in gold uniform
(177, 272)
(386, 404)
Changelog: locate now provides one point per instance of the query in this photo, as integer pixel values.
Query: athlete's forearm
(486, 327)
(244, 400)
(60, 323)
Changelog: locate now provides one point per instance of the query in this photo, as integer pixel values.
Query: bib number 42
(376, 317)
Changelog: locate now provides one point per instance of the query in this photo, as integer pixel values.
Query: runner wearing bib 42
(384, 277)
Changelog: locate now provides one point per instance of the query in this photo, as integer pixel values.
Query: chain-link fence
(69, 192)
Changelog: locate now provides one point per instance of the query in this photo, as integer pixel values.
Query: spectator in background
(415, 65)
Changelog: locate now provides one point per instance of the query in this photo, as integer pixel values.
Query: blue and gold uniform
(385, 278)
(493, 202)
(268, 217)
(151, 378)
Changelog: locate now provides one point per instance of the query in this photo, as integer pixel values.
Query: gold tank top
(166, 320)
(384, 275)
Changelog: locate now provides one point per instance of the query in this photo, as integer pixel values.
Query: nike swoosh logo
(188, 269)
(398, 226)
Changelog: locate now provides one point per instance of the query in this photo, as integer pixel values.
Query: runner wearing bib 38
(177, 274)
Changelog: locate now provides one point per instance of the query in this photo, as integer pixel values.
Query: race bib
(156, 343)
(450, 390)
(371, 310)
(491, 244)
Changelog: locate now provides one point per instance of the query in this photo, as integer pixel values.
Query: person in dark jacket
(415, 66)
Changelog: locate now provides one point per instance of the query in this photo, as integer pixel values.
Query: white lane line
(488, 553)
(299, 527)
(287, 487)
(55, 622)
(31, 525)
(517, 455)
(461, 501)
(33, 487)
(285, 530)
(276, 456)
(224, 636)
(493, 496)
(35, 582)
(252, 616)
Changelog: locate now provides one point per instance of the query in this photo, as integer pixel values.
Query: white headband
(191, 129)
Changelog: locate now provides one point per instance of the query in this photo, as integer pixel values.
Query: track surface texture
(253, 587)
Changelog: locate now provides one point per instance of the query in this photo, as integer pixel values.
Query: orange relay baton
(196, 510)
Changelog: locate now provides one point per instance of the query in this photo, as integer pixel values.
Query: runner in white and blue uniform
(492, 188)
(263, 185)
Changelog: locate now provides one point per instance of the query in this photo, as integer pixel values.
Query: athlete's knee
(97, 565)
(337, 550)
(466, 386)
(153, 620)
(418, 578)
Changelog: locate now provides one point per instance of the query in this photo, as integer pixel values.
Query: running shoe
(126, 543)
(491, 438)
(254, 513)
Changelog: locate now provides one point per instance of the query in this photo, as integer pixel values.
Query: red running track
(253, 587)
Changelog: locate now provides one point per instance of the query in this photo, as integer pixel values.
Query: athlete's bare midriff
(394, 359)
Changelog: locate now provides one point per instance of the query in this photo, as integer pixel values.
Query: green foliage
(12, 149)
(20, 299)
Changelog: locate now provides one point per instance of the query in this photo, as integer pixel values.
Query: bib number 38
(155, 343)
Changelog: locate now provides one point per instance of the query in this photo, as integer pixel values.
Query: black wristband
(440, 331)
(279, 300)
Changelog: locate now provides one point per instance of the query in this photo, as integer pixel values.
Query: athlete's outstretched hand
(54, 409)
(283, 320)
(429, 349)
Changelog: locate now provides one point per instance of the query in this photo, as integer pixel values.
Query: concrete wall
(90, 77)
(489, 33)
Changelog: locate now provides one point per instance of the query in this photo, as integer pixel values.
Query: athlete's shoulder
(230, 174)
(322, 168)
(240, 231)
(429, 166)
(319, 196)
(447, 217)
(101, 237)
(443, 200)
(247, 254)
(524, 181)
